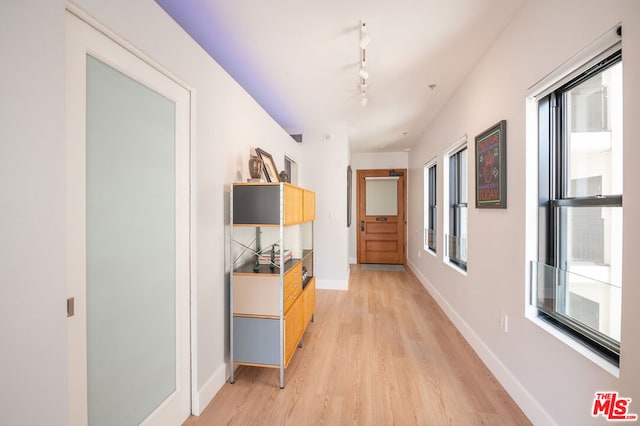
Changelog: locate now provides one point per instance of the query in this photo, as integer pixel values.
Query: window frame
(553, 194)
(291, 167)
(430, 206)
(457, 180)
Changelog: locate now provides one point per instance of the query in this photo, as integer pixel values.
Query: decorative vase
(284, 176)
(255, 167)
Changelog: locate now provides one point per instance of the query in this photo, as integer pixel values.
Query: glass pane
(588, 302)
(594, 115)
(461, 215)
(131, 340)
(382, 196)
(431, 239)
(463, 229)
(592, 239)
(463, 176)
(457, 250)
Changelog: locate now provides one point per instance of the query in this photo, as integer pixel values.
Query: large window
(457, 238)
(430, 207)
(579, 268)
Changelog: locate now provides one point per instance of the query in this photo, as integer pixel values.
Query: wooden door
(381, 216)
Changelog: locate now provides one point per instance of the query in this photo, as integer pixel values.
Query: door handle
(362, 225)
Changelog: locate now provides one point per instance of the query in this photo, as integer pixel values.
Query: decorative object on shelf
(491, 167)
(255, 167)
(279, 258)
(284, 176)
(270, 170)
(272, 265)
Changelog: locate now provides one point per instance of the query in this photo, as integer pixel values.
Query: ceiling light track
(363, 73)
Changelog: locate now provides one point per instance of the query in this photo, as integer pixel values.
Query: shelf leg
(300, 342)
(281, 377)
(313, 317)
(232, 379)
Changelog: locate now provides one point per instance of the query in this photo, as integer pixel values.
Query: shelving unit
(271, 304)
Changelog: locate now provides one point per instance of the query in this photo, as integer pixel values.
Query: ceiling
(300, 59)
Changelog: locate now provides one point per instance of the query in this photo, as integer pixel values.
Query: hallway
(381, 353)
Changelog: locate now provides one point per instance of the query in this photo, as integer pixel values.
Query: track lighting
(363, 73)
(364, 37)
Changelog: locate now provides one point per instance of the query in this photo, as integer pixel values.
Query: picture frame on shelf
(270, 169)
(491, 167)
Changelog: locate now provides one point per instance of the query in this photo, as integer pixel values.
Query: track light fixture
(363, 73)
(364, 37)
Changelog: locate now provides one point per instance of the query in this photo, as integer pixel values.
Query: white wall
(369, 161)
(33, 335)
(550, 381)
(327, 154)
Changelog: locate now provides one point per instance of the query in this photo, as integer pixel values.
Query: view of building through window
(594, 169)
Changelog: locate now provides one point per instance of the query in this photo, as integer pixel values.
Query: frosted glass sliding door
(131, 274)
(128, 207)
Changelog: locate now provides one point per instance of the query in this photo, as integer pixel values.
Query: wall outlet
(419, 253)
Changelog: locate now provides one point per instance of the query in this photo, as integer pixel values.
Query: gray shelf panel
(256, 340)
(256, 205)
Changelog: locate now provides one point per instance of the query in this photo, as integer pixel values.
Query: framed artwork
(491, 167)
(349, 190)
(270, 170)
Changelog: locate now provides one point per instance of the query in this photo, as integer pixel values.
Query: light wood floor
(382, 353)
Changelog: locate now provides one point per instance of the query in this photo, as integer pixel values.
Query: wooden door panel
(381, 228)
(293, 329)
(373, 246)
(308, 206)
(292, 205)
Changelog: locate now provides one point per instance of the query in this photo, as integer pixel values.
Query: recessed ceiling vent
(297, 138)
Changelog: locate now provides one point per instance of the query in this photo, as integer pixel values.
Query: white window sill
(532, 315)
(431, 252)
(454, 266)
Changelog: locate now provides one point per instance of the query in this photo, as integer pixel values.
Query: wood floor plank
(382, 353)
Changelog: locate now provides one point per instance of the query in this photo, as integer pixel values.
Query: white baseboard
(209, 390)
(332, 284)
(527, 403)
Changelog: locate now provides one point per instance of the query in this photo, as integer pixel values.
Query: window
(579, 268)
(291, 167)
(457, 238)
(430, 207)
